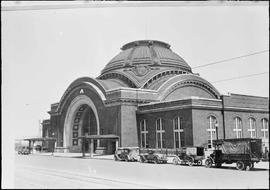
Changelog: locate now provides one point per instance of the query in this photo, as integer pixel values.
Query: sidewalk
(76, 155)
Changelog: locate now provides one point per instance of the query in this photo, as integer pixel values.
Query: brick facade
(147, 81)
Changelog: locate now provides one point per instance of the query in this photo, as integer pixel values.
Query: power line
(230, 59)
(244, 76)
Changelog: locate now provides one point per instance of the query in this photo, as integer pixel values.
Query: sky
(43, 51)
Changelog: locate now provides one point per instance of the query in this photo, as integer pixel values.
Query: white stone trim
(70, 115)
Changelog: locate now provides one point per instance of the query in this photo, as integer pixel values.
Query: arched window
(144, 134)
(265, 134)
(238, 127)
(264, 129)
(211, 130)
(159, 133)
(252, 127)
(179, 140)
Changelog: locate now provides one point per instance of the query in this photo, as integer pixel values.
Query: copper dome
(146, 52)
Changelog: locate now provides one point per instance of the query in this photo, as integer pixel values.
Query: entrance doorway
(81, 119)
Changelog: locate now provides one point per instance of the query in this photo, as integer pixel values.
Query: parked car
(24, 150)
(189, 155)
(244, 152)
(127, 154)
(152, 156)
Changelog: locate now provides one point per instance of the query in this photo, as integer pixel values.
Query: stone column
(83, 147)
(91, 147)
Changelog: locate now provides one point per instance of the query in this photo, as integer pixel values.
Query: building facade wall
(168, 117)
(230, 123)
(200, 120)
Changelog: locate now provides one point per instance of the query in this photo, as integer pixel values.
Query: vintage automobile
(189, 155)
(24, 150)
(242, 151)
(152, 156)
(127, 154)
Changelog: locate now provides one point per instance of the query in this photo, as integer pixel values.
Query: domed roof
(148, 53)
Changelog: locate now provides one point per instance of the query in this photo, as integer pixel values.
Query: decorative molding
(140, 70)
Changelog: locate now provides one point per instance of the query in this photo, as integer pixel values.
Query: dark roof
(146, 52)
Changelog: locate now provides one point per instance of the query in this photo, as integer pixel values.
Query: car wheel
(240, 165)
(251, 165)
(175, 160)
(199, 162)
(218, 165)
(208, 163)
(190, 162)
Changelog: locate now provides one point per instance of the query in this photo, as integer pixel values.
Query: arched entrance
(81, 119)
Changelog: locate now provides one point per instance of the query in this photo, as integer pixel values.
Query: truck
(242, 151)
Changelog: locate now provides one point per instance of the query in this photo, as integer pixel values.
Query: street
(46, 172)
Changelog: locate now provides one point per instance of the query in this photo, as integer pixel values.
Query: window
(252, 127)
(144, 134)
(211, 130)
(178, 132)
(159, 133)
(238, 127)
(264, 130)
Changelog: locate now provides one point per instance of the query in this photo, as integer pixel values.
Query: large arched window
(211, 130)
(179, 140)
(264, 129)
(159, 133)
(238, 127)
(265, 134)
(252, 127)
(144, 134)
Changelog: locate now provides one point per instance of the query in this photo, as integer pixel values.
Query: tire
(199, 162)
(218, 165)
(240, 165)
(208, 163)
(141, 159)
(175, 161)
(249, 166)
(190, 162)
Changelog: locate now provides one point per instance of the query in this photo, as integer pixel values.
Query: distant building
(149, 97)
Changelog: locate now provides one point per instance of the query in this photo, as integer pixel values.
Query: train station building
(148, 96)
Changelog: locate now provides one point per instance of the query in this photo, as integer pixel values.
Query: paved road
(33, 171)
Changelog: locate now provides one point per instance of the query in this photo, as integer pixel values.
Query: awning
(40, 139)
(111, 136)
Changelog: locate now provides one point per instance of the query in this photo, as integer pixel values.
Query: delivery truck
(242, 151)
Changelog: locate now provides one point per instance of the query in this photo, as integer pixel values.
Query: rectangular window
(178, 132)
(159, 133)
(264, 129)
(211, 131)
(176, 137)
(144, 132)
(182, 138)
